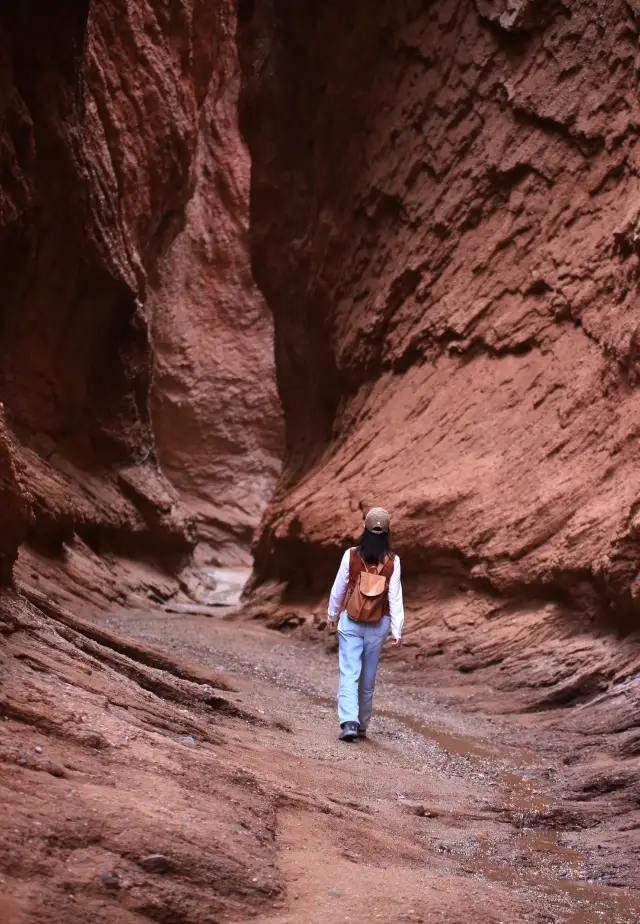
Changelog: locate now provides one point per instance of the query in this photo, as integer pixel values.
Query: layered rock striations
(108, 125)
(444, 222)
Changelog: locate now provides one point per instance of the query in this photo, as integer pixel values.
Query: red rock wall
(111, 120)
(216, 415)
(444, 224)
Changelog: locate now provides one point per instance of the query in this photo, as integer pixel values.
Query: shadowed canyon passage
(438, 239)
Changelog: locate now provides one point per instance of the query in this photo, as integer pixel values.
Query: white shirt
(396, 606)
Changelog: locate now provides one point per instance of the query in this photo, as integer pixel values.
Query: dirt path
(443, 815)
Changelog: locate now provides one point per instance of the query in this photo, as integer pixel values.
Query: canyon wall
(113, 120)
(444, 222)
(111, 116)
(215, 410)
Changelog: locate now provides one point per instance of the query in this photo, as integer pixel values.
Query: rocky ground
(212, 743)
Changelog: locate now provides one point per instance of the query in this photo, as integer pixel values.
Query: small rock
(155, 863)
(187, 740)
(38, 749)
(93, 739)
(109, 881)
(414, 808)
(56, 770)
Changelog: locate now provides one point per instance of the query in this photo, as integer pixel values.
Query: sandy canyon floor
(152, 798)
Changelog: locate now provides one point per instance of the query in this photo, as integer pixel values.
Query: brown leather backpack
(368, 589)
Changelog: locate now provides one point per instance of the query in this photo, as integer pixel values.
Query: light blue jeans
(358, 655)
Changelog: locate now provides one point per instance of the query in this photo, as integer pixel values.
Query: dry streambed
(179, 768)
(444, 809)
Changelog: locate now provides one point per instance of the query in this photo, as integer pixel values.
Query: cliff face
(444, 224)
(110, 122)
(96, 168)
(107, 126)
(215, 409)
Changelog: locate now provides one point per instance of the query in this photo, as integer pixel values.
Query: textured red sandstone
(94, 777)
(103, 111)
(216, 416)
(97, 160)
(444, 222)
(111, 123)
(444, 226)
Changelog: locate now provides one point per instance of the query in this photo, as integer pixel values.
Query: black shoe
(348, 731)
(362, 732)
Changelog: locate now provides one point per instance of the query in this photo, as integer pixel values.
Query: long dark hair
(374, 548)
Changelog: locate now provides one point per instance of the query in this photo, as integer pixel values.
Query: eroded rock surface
(113, 123)
(455, 230)
(104, 112)
(92, 183)
(444, 224)
(94, 781)
(216, 416)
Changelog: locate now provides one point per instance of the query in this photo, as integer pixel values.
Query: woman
(362, 631)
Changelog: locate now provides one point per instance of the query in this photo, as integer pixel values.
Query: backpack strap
(388, 569)
(354, 571)
(388, 566)
(354, 565)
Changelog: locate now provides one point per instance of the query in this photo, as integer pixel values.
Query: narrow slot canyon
(266, 265)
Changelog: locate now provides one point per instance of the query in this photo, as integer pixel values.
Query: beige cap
(377, 520)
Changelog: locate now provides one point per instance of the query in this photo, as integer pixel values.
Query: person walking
(365, 604)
